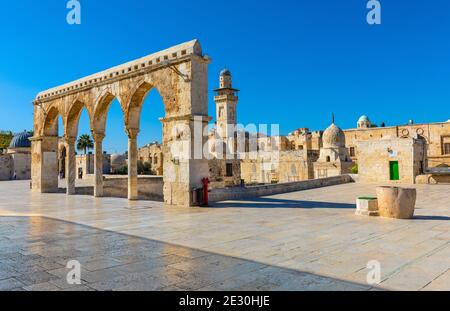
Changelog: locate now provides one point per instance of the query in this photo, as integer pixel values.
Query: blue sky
(295, 61)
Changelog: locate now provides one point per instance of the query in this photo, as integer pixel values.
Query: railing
(438, 170)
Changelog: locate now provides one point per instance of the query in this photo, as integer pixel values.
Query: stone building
(152, 153)
(333, 159)
(118, 161)
(85, 165)
(303, 139)
(287, 166)
(16, 162)
(436, 136)
(395, 160)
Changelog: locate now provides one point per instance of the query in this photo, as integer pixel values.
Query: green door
(393, 165)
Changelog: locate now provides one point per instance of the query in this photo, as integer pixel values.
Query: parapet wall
(149, 187)
(239, 193)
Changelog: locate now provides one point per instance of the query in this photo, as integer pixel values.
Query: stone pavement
(308, 240)
(35, 252)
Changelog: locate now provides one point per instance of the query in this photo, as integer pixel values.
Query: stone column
(70, 165)
(44, 164)
(132, 164)
(98, 164)
(184, 162)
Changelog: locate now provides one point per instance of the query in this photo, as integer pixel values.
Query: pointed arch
(135, 103)
(73, 118)
(51, 122)
(102, 104)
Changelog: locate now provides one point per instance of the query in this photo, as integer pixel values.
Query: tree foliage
(5, 139)
(85, 143)
(144, 168)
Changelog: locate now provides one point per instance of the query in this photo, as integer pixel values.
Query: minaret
(226, 99)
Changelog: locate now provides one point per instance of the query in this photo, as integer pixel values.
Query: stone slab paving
(34, 252)
(308, 240)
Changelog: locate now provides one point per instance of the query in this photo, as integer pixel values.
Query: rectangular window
(446, 148)
(445, 140)
(352, 152)
(229, 169)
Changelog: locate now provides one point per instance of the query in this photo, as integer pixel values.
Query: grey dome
(21, 140)
(225, 72)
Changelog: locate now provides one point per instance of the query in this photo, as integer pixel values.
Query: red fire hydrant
(205, 182)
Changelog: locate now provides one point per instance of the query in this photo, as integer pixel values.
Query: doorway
(394, 170)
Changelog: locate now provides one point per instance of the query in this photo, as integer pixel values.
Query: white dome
(363, 118)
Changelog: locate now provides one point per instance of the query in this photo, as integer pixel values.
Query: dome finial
(332, 118)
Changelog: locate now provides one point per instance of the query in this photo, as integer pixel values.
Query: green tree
(85, 143)
(5, 139)
(144, 168)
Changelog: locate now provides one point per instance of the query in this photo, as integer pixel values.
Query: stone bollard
(395, 202)
(367, 206)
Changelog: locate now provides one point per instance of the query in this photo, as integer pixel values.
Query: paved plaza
(308, 240)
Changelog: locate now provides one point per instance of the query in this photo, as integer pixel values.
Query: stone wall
(149, 187)
(286, 166)
(295, 166)
(21, 165)
(374, 159)
(218, 173)
(85, 163)
(5, 167)
(240, 193)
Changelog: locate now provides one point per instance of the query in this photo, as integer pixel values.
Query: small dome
(21, 140)
(363, 118)
(225, 72)
(448, 121)
(333, 137)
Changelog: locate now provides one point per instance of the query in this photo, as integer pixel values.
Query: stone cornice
(186, 117)
(226, 97)
(170, 57)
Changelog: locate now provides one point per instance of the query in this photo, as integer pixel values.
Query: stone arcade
(178, 73)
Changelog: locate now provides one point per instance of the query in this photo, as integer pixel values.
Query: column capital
(98, 137)
(132, 133)
(69, 140)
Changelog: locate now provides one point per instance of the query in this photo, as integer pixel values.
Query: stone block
(367, 206)
(395, 202)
